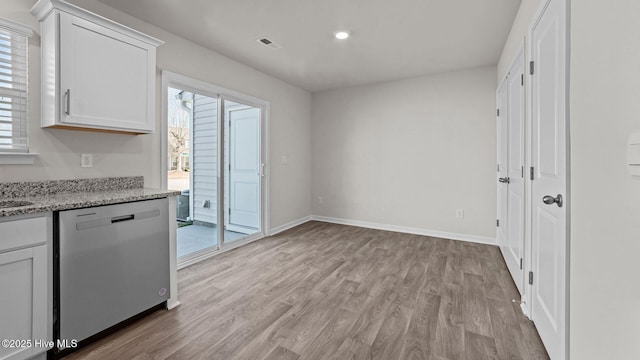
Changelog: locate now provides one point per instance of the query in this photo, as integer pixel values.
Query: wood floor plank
(476, 315)
(366, 328)
(471, 259)
(411, 285)
(331, 336)
(478, 347)
(449, 341)
(453, 273)
(325, 291)
(235, 340)
(189, 345)
(280, 353)
(350, 350)
(422, 329)
(434, 279)
(506, 329)
(388, 342)
(310, 282)
(305, 332)
(533, 344)
(281, 329)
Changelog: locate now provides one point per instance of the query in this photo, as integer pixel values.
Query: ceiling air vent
(268, 43)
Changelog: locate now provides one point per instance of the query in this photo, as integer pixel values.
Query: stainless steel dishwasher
(113, 263)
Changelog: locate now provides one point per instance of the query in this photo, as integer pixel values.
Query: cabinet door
(23, 280)
(106, 78)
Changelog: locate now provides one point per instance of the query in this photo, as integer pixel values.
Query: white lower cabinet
(25, 299)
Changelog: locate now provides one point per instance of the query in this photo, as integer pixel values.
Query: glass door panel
(192, 121)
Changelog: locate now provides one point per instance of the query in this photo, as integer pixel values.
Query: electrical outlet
(86, 160)
(459, 214)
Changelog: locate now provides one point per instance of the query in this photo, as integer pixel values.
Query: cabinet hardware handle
(67, 94)
(118, 219)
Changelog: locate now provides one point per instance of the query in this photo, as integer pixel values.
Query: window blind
(13, 86)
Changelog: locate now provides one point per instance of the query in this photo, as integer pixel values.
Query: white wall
(605, 239)
(519, 30)
(124, 155)
(409, 152)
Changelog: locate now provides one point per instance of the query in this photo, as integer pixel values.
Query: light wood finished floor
(325, 291)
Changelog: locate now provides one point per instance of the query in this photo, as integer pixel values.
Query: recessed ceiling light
(341, 35)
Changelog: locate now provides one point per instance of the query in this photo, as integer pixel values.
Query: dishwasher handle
(118, 219)
(107, 221)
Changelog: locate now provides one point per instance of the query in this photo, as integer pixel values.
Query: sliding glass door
(215, 158)
(243, 171)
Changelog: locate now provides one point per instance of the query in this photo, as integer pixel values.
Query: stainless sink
(14, 203)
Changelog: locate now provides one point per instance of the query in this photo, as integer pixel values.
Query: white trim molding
(408, 230)
(15, 26)
(173, 302)
(43, 8)
(204, 255)
(16, 158)
(289, 225)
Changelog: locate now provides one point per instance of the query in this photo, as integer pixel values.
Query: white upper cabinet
(96, 74)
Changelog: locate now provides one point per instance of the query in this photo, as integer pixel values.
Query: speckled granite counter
(78, 193)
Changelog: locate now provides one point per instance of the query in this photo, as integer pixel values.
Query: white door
(502, 150)
(548, 151)
(244, 169)
(513, 249)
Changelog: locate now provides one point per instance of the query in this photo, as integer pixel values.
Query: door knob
(548, 199)
(504, 180)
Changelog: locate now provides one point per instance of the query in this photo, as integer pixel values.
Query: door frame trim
(170, 78)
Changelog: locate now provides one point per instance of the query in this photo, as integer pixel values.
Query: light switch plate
(86, 160)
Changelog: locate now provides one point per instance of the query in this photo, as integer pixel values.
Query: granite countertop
(75, 194)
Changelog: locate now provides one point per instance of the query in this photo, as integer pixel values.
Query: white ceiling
(390, 39)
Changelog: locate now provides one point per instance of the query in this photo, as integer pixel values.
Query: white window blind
(13, 86)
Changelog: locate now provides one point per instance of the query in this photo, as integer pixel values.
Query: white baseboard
(408, 230)
(171, 304)
(525, 309)
(289, 225)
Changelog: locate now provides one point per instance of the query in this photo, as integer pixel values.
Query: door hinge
(521, 79)
(497, 223)
(531, 173)
(520, 263)
(497, 112)
(498, 167)
(531, 67)
(530, 277)
(522, 172)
